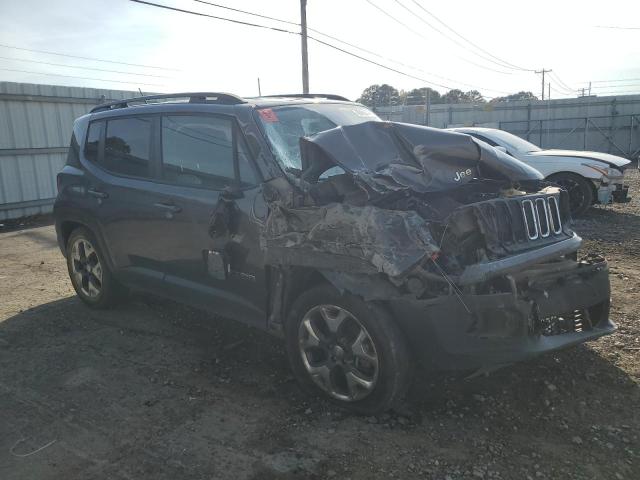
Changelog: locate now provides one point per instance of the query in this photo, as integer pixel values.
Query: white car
(589, 177)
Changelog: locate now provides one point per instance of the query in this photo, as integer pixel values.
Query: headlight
(609, 172)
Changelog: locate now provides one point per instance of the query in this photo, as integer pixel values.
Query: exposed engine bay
(418, 213)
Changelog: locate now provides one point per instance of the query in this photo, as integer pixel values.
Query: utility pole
(305, 55)
(548, 111)
(543, 71)
(427, 107)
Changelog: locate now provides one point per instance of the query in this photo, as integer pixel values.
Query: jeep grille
(514, 224)
(541, 217)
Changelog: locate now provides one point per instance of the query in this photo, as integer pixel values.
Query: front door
(211, 183)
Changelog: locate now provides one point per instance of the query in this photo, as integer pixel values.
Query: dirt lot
(153, 390)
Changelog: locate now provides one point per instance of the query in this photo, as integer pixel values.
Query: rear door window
(128, 146)
(199, 151)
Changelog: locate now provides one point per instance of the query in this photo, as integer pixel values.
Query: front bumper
(549, 310)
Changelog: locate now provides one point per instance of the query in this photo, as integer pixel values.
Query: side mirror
(501, 149)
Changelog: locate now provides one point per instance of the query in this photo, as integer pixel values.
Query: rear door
(216, 261)
(124, 196)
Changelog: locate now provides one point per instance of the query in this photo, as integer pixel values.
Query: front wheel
(579, 189)
(347, 350)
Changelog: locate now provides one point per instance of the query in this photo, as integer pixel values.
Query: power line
(81, 78)
(240, 22)
(370, 52)
(574, 94)
(419, 17)
(612, 81)
(327, 44)
(632, 92)
(379, 64)
(387, 14)
(563, 86)
(560, 83)
(617, 28)
(93, 59)
(83, 68)
(253, 14)
(617, 86)
(470, 42)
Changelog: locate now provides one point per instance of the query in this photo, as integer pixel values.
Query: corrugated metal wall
(35, 129)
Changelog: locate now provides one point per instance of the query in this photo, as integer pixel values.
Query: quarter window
(128, 145)
(93, 141)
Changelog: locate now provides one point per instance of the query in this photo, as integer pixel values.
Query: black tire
(580, 191)
(99, 293)
(384, 341)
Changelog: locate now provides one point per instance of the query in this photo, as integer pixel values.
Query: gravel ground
(154, 390)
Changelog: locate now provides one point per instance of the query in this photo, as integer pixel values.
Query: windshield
(285, 125)
(512, 143)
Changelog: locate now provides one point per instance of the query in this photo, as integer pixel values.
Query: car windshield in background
(285, 125)
(513, 143)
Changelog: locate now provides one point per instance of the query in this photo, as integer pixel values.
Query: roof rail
(199, 97)
(328, 96)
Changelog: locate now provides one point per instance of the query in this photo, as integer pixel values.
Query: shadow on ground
(155, 390)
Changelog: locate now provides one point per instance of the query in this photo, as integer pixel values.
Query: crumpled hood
(611, 160)
(388, 156)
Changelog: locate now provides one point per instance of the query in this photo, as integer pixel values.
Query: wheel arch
(299, 280)
(66, 226)
(589, 180)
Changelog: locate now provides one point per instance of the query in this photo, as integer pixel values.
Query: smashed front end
(469, 248)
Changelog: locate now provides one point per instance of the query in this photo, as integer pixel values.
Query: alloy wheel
(338, 353)
(86, 268)
(576, 194)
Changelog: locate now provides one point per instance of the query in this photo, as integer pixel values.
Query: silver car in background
(589, 177)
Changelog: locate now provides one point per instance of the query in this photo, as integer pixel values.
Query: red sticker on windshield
(268, 115)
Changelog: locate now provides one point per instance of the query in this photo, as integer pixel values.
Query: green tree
(514, 97)
(418, 96)
(474, 96)
(380, 96)
(458, 96)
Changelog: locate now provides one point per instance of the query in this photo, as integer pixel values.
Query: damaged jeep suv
(367, 245)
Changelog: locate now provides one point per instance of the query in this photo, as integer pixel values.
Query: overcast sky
(213, 55)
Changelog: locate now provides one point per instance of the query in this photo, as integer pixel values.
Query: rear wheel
(347, 350)
(579, 189)
(90, 276)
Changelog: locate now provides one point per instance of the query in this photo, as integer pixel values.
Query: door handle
(97, 193)
(168, 207)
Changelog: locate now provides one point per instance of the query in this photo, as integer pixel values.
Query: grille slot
(530, 219)
(554, 215)
(542, 213)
